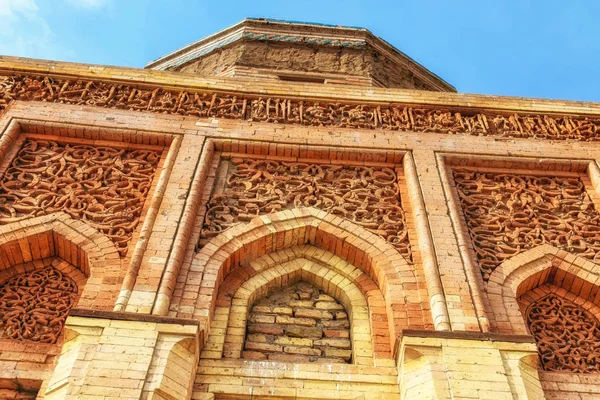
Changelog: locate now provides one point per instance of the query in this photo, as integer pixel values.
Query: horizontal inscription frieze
(296, 111)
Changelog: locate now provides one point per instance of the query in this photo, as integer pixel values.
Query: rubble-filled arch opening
(298, 323)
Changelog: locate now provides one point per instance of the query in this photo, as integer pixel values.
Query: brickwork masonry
(300, 324)
(165, 275)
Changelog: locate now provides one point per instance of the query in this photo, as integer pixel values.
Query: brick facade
(169, 236)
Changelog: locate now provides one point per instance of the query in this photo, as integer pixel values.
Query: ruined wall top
(296, 51)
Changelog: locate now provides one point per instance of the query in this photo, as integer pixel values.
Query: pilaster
(462, 365)
(113, 355)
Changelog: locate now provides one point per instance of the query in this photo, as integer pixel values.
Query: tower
(297, 211)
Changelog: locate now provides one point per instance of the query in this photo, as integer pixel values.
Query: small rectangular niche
(301, 78)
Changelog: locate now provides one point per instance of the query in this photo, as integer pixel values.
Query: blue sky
(529, 48)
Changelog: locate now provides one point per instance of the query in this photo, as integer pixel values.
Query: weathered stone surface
(266, 329)
(264, 347)
(337, 324)
(344, 354)
(254, 355)
(328, 305)
(315, 314)
(334, 333)
(302, 331)
(262, 319)
(339, 343)
(293, 341)
(282, 328)
(307, 351)
(285, 320)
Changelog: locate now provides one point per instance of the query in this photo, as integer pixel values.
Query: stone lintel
(465, 335)
(129, 316)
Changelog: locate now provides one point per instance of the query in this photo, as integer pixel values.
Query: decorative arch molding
(226, 339)
(397, 280)
(75, 242)
(544, 264)
(288, 273)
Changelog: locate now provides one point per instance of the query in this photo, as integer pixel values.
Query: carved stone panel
(35, 305)
(103, 186)
(366, 196)
(567, 336)
(507, 214)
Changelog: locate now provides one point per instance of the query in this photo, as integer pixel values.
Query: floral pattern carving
(103, 186)
(367, 196)
(507, 214)
(291, 111)
(35, 305)
(567, 336)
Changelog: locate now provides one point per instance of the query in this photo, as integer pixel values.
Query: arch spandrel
(367, 196)
(509, 213)
(105, 186)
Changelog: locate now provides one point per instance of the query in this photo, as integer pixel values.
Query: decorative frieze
(507, 214)
(567, 336)
(35, 305)
(104, 186)
(367, 196)
(298, 111)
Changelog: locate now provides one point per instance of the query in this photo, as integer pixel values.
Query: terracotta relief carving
(367, 196)
(35, 305)
(507, 214)
(104, 186)
(567, 336)
(289, 111)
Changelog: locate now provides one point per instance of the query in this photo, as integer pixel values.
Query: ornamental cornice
(297, 103)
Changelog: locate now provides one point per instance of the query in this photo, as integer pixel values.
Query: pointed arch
(74, 241)
(290, 272)
(397, 280)
(544, 264)
(371, 313)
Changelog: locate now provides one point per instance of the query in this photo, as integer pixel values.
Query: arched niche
(31, 249)
(396, 280)
(298, 322)
(337, 278)
(48, 264)
(531, 269)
